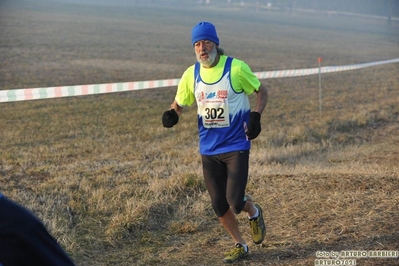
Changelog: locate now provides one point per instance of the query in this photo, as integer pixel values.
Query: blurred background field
(116, 188)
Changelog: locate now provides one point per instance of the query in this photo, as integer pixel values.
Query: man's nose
(202, 46)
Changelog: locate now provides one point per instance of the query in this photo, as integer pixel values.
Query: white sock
(255, 215)
(245, 247)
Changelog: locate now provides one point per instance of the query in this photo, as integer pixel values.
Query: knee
(236, 209)
(220, 208)
(237, 206)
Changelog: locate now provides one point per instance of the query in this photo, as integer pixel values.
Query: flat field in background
(116, 188)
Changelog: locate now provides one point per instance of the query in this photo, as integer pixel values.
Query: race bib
(215, 114)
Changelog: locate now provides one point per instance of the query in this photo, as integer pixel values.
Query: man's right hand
(170, 118)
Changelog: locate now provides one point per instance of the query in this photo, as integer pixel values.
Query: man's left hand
(254, 127)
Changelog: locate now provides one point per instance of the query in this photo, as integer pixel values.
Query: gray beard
(211, 58)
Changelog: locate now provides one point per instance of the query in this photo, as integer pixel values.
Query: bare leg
(230, 223)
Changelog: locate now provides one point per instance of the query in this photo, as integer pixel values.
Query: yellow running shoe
(237, 253)
(258, 228)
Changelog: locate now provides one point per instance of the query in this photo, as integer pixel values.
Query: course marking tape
(80, 90)
(313, 71)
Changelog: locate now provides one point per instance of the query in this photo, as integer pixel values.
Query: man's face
(205, 52)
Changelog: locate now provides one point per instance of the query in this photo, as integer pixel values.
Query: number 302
(213, 113)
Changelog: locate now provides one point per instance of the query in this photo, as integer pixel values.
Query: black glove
(170, 118)
(253, 125)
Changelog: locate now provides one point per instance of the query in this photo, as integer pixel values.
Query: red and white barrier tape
(80, 90)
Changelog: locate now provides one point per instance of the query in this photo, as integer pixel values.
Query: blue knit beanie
(204, 31)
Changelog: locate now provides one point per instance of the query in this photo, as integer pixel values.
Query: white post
(319, 59)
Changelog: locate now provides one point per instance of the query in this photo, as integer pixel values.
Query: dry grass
(116, 188)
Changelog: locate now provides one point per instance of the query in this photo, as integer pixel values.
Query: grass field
(116, 188)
